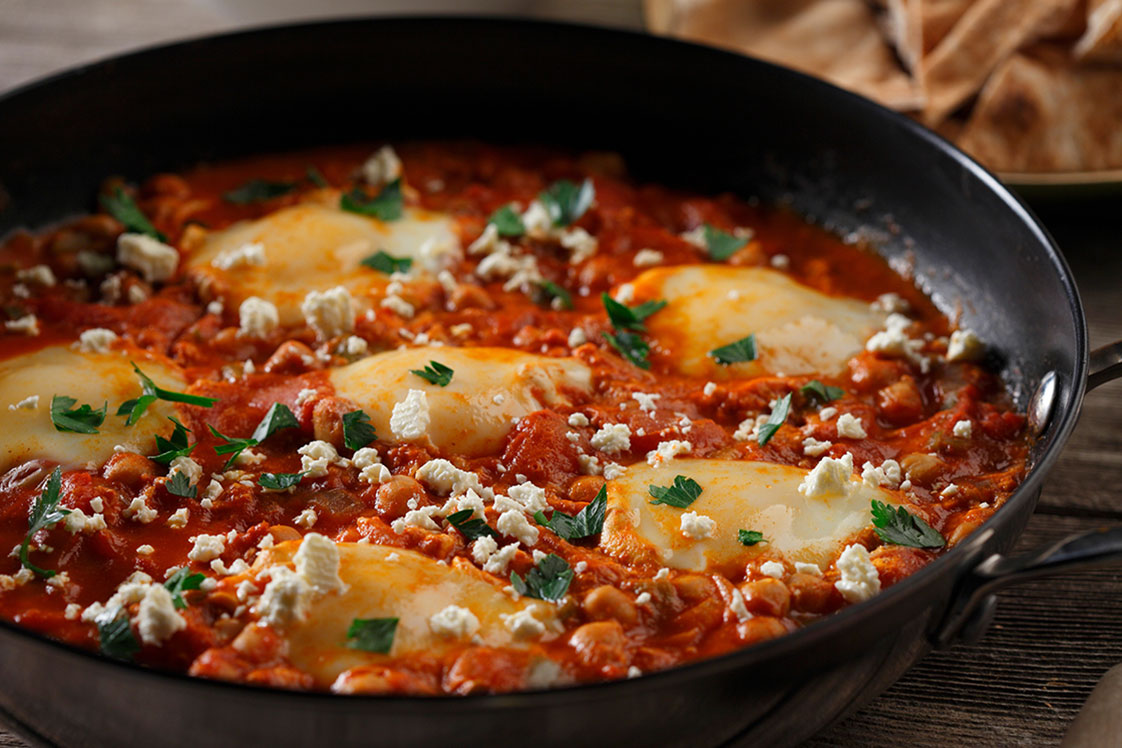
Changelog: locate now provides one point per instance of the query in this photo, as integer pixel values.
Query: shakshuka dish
(452, 418)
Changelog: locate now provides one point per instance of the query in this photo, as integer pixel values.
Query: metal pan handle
(974, 603)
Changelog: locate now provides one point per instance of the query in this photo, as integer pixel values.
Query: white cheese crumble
(696, 237)
(578, 420)
(257, 318)
(814, 448)
(410, 417)
(370, 467)
(737, 606)
(31, 402)
(829, 478)
(315, 456)
(894, 342)
(285, 598)
(805, 568)
(773, 569)
(187, 466)
(317, 561)
(329, 313)
(647, 257)
(96, 340)
(582, 244)
(964, 429)
(859, 579)
(668, 450)
(950, 490)
(445, 478)
(625, 294)
(157, 618)
(306, 518)
(893, 303)
(850, 427)
(247, 255)
(709, 389)
(612, 438)
(25, 325)
(207, 547)
(697, 526)
(514, 524)
(178, 519)
(646, 400)
(523, 624)
(37, 274)
(780, 262)
(398, 306)
(421, 518)
(577, 337)
(536, 219)
(77, 521)
(454, 622)
(827, 413)
(354, 346)
(613, 470)
(965, 345)
(382, 167)
(140, 511)
(305, 395)
(154, 260)
(888, 474)
(529, 496)
(145, 550)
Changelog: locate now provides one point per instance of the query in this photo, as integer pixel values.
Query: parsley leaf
(775, 420)
(372, 634)
(549, 580)
(472, 529)
(547, 292)
(624, 317)
(150, 393)
(180, 581)
(901, 527)
(507, 222)
(388, 205)
(258, 191)
(315, 176)
(80, 420)
(278, 417)
(750, 537)
(357, 431)
(121, 206)
(631, 346)
(180, 485)
(566, 202)
(174, 447)
(435, 373)
(117, 639)
(44, 513)
(720, 244)
(232, 447)
(384, 262)
(279, 481)
(740, 350)
(681, 493)
(823, 393)
(587, 522)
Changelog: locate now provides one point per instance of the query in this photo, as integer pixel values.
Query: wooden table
(1051, 641)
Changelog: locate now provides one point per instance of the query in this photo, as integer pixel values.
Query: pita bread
(1102, 42)
(916, 26)
(987, 34)
(1042, 112)
(837, 40)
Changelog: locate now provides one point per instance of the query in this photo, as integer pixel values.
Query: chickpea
(467, 296)
(129, 469)
(694, 587)
(258, 643)
(586, 487)
(762, 628)
(290, 357)
(327, 419)
(810, 593)
(922, 468)
(600, 644)
(364, 680)
(767, 596)
(284, 533)
(901, 402)
(392, 499)
(609, 603)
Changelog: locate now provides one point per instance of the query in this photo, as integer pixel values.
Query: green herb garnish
(631, 346)
(121, 206)
(901, 527)
(151, 393)
(117, 639)
(548, 291)
(258, 191)
(472, 529)
(180, 581)
(549, 580)
(587, 522)
(566, 202)
(681, 493)
(278, 417)
(279, 481)
(388, 205)
(749, 537)
(624, 317)
(180, 485)
(720, 244)
(372, 634)
(233, 447)
(357, 431)
(435, 373)
(740, 350)
(44, 513)
(174, 447)
(81, 420)
(823, 393)
(507, 221)
(775, 420)
(386, 263)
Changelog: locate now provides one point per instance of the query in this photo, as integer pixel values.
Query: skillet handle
(974, 602)
(1105, 364)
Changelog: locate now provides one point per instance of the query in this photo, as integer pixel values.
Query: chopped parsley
(775, 420)
(624, 317)
(180, 485)
(121, 206)
(357, 431)
(279, 481)
(823, 393)
(750, 537)
(180, 581)
(471, 529)
(681, 493)
(566, 202)
(44, 513)
(631, 346)
(278, 417)
(258, 191)
(384, 262)
(547, 292)
(387, 205)
(117, 639)
(587, 522)
(507, 222)
(740, 350)
(176, 446)
(372, 634)
(721, 245)
(549, 580)
(900, 527)
(150, 393)
(435, 373)
(232, 447)
(81, 420)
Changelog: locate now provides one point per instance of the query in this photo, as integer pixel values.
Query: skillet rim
(1023, 499)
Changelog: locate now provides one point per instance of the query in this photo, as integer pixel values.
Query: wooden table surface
(1051, 641)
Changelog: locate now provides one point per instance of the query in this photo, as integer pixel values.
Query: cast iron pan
(681, 115)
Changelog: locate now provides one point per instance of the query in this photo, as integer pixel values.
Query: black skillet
(682, 115)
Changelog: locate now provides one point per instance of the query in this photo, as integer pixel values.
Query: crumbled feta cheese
(445, 478)
(646, 400)
(257, 318)
(536, 219)
(625, 294)
(454, 622)
(814, 448)
(668, 450)
(827, 413)
(145, 550)
(950, 490)
(894, 342)
(330, 313)
(247, 255)
(773, 569)
(805, 568)
(749, 428)
(461, 330)
(577, 337)
(382, 167)
(73, 610)
(97, 504)
(697, 526)
(207, 547)
(964, 429)
(612, 438)
(37, 274)
(893, 303)
(77, 521)
(529, 496)
(965, 345)
(421, 518)
(888, 474)
(187, 466)
(212, 492)
(140, 511)
(582, 244)
(642, 598)
(398, 306)
(178, 520)
(780, 262)
(137, 294)
(410, 417)
(709, 389)
(662, 574)
(25, 325)
(354, 347)
(483, 548)
(317, 561)
(514, 524)
(285, 598)
(305, 395)
(154, 260)
(737, 606)
(157, 619)
(249, 457)
(306, 518)
(315, 456)
(859, 579)
(580, 567)
(613, 470)
(647, 257)
(578, 420)
(370, 467)
(850, 427)
(523, 625)
(830, 477)
(31, 402)
(696, 237)
(96, 340)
